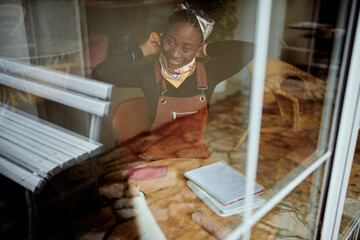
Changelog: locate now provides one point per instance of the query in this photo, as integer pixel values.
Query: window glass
(296, 215)
(303, 66)
(349, 222)
(172, 119)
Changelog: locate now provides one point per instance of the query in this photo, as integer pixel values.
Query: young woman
(178, 88)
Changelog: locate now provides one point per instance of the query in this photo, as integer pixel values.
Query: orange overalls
(180, 123)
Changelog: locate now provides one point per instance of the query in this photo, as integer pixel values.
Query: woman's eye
(187, 50)
(170, 43)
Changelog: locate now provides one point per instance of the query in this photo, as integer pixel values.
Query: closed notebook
(224, 210)
(221, 181)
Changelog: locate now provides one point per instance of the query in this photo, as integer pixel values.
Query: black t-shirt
(227, 59)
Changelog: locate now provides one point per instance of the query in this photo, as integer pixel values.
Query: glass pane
(350, 218)
(48, 35)
(302, 79)
(46, 69)
(63, 60)
(295, 217)
(301, 82)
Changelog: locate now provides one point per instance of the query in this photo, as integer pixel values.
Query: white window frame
(345, 142)
(345, 146)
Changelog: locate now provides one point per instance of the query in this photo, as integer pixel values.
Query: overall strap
(200, 72)
(201, 75)
(161, 85)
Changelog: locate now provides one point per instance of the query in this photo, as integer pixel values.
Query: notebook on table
(220, 209)
(222, 186)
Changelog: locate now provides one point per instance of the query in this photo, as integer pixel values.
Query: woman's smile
(181, 44)
(174, 63)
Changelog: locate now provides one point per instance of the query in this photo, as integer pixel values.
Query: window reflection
(349, 228)
(13, 31)
(296, 215)
(40, 34)
(296, 87)
(73, 37)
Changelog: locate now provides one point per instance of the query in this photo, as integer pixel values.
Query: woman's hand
(151, 46)
(133, 188)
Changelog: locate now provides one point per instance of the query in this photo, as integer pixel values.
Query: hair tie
(205, 22)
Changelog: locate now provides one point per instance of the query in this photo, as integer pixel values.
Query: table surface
(172, 202)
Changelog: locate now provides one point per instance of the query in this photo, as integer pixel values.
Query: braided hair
(210, 9)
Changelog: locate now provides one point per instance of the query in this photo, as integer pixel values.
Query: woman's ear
(161, 41)
(200, 52)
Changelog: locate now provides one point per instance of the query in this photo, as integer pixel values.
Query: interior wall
(284, 43)
(295, 49)
(244, 31)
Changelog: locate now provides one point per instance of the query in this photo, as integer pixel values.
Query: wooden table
(172, 202)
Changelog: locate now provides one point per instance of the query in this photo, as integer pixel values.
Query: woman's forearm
(112, 69)
(231, 49)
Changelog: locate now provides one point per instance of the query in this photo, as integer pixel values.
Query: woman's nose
(176, 52)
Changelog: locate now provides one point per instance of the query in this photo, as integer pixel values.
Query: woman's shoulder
(228, 58)
(146, 67)
(228, 47)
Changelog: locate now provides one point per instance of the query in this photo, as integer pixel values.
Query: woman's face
(180, 44)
